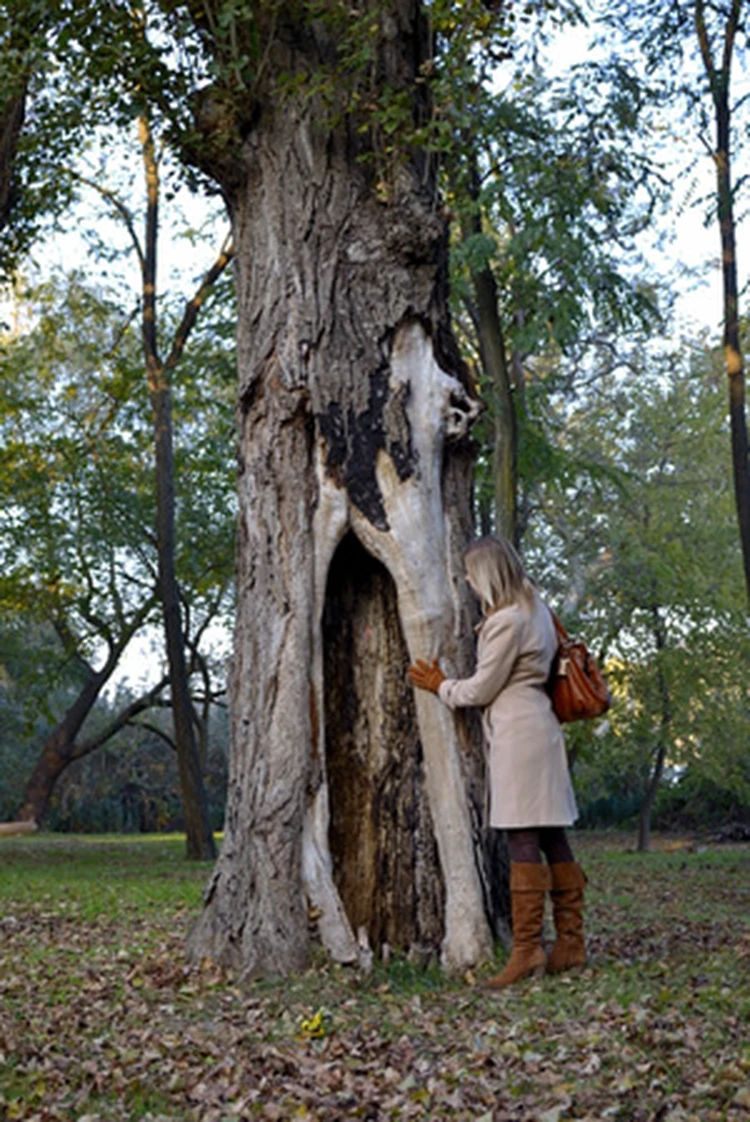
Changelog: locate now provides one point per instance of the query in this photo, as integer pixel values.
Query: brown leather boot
(529, 885)
(569, 950)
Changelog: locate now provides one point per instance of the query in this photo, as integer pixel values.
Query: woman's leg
(568, 883)
(553, 841)
(530, 882)
(524, 847)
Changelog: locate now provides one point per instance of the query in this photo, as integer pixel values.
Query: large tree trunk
(348, 794)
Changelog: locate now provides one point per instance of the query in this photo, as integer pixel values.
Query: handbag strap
(562, 634)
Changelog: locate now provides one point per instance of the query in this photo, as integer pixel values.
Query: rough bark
(347, 794)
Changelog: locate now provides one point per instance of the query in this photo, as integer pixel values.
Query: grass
(100, 876)
(102, 1019)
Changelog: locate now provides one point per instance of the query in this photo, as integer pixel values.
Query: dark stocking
(554, 844)
(527, 846)
(523, 846)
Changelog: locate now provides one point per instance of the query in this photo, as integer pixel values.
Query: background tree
(159, 374)
(653, 563)
(717, 60)
(78, 552)
(67, 511)
(554, 181)
(63, 37)
(132, 785)
(691, 48)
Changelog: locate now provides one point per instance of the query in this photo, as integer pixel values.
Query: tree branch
(730, 34)
(125, 717)
(117, 204)
(157, 732)
(193, 306)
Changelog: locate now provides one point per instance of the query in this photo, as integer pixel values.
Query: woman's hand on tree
(426, 675)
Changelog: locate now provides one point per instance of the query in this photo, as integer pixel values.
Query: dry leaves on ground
(102, 1019)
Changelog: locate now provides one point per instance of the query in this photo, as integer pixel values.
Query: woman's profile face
(470, 582)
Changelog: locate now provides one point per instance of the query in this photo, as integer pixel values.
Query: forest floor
(101, 1020)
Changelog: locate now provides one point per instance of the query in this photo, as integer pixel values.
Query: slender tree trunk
(732, 349)
(199, 836)
(24, 24)
(647, 806)
(11, 123)
(505, 422)
(495, 364)
(719, 74)
(662, 744)
(348, 794)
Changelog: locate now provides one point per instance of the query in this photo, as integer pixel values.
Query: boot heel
(529, 884)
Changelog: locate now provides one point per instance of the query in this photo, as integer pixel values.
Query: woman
(530, 793)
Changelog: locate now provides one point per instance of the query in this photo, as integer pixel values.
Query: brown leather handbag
(576, 685)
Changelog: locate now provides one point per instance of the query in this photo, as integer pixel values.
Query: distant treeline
(130, 785)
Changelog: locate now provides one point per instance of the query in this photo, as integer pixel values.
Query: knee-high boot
(568, 883)
(529, 884)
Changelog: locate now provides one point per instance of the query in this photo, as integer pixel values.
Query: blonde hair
(497, 574)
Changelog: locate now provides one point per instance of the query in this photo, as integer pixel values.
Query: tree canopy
(79, 556)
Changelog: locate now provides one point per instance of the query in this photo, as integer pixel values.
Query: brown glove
(425, 675)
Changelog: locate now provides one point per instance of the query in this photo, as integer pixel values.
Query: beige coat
(528, 778)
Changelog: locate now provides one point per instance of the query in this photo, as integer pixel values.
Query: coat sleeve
(499, 647)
